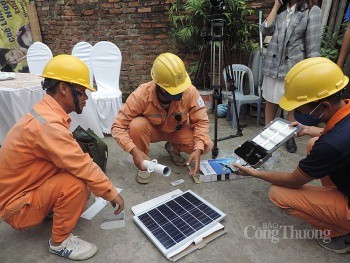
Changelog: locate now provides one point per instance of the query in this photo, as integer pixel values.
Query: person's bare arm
(312, 131)
(138, 157)
(273, 13)
(294, 179)
(345, 48)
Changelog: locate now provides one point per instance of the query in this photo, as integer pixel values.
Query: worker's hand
(194, 157)
(278, 3)
(245, 170)
(303, 128)
(307, 130)
(118, 201)
(138, 157)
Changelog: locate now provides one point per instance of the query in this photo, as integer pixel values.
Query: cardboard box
(218, 170)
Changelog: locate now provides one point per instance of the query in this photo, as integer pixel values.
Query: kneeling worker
(42, 167)
(313, 86)
(167, 109)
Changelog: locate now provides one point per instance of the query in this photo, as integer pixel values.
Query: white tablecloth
(18, 96)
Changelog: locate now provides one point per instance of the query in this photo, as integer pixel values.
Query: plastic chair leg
(259, 114)
(234, 121)
(228, 114)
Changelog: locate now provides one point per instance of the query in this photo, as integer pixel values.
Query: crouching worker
(167, 109)
(313, 86)
(42, 167)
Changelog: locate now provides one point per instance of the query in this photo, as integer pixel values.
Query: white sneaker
(74, 248)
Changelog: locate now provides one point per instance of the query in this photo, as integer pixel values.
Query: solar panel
(177, 221)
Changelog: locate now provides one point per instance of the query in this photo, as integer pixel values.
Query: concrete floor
(244, 201)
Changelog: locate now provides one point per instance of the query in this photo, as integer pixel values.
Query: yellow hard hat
(310, 80)
(69, 69)
(169, 72)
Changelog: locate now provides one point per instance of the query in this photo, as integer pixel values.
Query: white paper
(177, 182)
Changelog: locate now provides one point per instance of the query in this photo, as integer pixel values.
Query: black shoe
(336, 244)
(291, 146)
(49, 216)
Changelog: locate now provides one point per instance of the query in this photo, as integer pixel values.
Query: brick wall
(139, 28)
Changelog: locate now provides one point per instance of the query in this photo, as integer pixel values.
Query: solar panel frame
(179, 230)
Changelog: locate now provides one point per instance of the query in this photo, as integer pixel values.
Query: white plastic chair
(239, 71)
(106, 62)
(88, 118)
(82, 50)
(38, 55)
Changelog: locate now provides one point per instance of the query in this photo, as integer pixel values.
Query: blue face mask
(308, 119)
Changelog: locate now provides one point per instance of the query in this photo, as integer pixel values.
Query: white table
(18, 96)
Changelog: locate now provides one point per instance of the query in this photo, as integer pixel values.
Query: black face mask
(168, 96)
(176, 97)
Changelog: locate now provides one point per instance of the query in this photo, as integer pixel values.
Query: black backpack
(93, 145)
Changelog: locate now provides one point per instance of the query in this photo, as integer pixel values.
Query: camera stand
(219, 61)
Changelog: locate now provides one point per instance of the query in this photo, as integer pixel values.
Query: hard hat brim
(179, 89)
(289, 105)
(89, 87)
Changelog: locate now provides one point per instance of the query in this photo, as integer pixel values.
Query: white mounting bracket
(118, 220)
(96, 207)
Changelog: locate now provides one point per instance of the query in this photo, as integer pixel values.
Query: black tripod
(219, 61)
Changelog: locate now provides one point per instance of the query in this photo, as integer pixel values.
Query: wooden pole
(34, 22)
(340, 16)
(332, 16)
(325, 9)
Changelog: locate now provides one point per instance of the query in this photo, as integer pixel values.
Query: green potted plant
(331, 42)
(190, 21)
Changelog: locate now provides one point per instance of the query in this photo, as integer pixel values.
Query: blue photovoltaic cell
(177, 219)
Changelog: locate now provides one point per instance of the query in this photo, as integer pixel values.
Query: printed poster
(15, 35)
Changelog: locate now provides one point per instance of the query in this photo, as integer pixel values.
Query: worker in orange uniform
(168, 108)
(314, 86)
(42, 167)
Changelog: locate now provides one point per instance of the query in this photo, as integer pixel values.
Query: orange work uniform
(43, 169)
(143, 120)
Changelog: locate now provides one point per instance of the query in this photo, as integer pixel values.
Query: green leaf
(190, 21)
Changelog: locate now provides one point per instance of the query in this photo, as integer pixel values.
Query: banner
(15, 35)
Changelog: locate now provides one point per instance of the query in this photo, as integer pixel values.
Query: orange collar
(153, 94)
(338, 116)
(53, 104)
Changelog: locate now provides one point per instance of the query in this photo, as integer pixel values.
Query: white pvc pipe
(154, 166)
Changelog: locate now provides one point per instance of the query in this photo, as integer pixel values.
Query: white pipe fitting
(154, 166)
